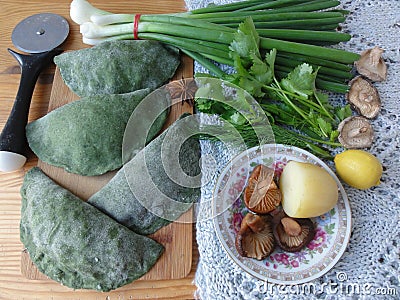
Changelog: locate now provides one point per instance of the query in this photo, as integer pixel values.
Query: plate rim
(346, 203)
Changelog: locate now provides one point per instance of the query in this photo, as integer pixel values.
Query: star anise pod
(183, 90)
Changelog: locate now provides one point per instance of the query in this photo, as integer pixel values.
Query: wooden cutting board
(177, 238)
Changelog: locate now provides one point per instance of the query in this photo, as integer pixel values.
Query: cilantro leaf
(252, 73)
(343, 112)
(334, 135)
(246, 41)
(261, 71)
(252, 86)
(323, 100)
(203, 104)
(237, 118)
(300, 81)
(270, 60)
(325, 126)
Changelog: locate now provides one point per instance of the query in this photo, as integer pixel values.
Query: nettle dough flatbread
(118, 67)
(77, 245)
(85, 136)
(157, 185)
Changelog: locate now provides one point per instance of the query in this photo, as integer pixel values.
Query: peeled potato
(307, 190)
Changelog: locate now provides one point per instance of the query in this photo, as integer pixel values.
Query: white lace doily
(370, 267)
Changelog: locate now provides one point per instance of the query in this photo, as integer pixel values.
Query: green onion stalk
(205, 34)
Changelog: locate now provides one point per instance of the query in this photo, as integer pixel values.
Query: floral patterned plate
(332, 229)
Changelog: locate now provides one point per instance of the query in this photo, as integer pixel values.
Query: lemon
(358, 168)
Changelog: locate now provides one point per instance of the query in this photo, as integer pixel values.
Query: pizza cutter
(39, 35)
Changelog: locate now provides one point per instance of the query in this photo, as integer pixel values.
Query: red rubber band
(136, 26)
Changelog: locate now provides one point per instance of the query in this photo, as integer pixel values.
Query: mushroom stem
(357, 131)
(291, 227)
(375, 55)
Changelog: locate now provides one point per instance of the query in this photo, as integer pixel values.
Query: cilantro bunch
(299, 113)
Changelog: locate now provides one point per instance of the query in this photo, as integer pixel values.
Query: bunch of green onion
(299, 30)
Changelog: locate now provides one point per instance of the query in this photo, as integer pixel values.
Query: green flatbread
(74, 243)
(118, 67)
(85, 136)
(142, 195)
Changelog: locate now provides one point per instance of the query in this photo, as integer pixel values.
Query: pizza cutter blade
(39, 35)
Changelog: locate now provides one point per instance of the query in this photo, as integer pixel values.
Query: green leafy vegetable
(293, 102)
(297, 29)
(300, 81)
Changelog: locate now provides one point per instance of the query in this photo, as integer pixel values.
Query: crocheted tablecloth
(372, 257)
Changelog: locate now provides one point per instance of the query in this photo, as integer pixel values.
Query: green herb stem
(277, 111)
(322, 82)
(188, 44)
(292, 63)
(286, 136)
(336, 55)
(291, 104)
(332, 86)
(177, 20)
(318, 107)
(331, 54)
(304, 35)
(272, 4)
(262, 16)
(330, 78)
(282, 135)
(326, 142)
(226, 7)
(218, 59)
(204, 34)
(208, 64)
(313, 61)
(324, 110)
(306, 24)
(309, 6)
(279, 90)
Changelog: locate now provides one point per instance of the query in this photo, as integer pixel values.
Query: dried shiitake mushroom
(364, 97)
(293, 234)
(261, 194)
(255, 238)
(372, 65)
(356, 132)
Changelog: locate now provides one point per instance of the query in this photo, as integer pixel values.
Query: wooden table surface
(12, 284)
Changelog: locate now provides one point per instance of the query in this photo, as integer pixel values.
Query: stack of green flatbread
(101, 244)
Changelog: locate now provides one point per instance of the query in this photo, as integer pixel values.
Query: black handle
(13, 137)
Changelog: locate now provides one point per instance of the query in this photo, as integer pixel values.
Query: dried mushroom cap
(372, 65)
(255, 238)
(293, 234)
(364, 97)
(356, 132)
(261, 194)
